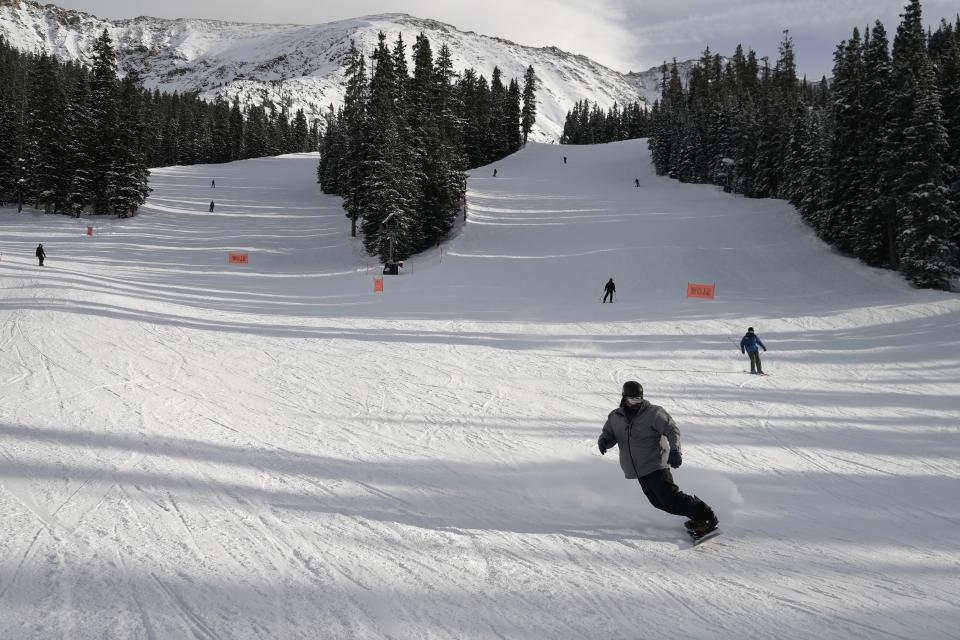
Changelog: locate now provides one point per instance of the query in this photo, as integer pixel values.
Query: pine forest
(870, 157)
(83, 139)
(398, 150)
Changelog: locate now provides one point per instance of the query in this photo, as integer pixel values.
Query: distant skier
(211, 206)
(641, 429)
(494, 173)
(751, 344)
(609, 289)
(564, 159)
(636, 181)
(40, 253)
(213, 184)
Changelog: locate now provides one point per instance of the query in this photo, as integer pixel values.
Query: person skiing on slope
(211, 206)
(751, 345)
(636, 181)
(640, 429)
(609, 289)
(494, 173)
(40, 253)
(213, 184)
(564, 159)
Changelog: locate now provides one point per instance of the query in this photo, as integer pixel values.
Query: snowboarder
(640, 429)
(211, 206)
(41, 254)
(609, 289)
(494, 173)
(636, 181)
(213, 184)
(751, 344)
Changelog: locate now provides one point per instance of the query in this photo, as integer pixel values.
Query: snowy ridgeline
(193, 448)
(301, 67)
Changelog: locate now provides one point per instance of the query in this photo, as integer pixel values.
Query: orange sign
(89, 231)
(705, 291)
(239, 258)
(378, 285)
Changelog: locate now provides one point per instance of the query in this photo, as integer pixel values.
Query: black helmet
(749, 329)
(632, 389)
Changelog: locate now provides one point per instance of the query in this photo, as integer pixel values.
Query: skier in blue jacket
(751, 344)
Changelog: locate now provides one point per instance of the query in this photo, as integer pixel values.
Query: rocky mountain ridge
(300, 66)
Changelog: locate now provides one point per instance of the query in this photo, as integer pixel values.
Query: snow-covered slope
(194, 450)
(300, 66)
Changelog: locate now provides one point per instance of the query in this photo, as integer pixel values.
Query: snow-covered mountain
(301, 66)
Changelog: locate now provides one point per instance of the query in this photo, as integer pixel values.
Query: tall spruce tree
(389, 226)
(355, 124)
(9, 140)
(529, 111)
(45, 142)
(104, 115)
(843, 171)
(871, 237)
(929, 223)
(129, 175)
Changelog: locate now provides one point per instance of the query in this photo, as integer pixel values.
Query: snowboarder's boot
(700, 529)
(690, 525)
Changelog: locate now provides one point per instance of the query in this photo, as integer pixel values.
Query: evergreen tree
(129, 175)
(83, 128)
(9, 140)
(929, 223)
(529, 111)
(301, 133)
(104, 114)
(871, 236)
(389, 226)
(45, 138)
(513, 117)
(355, 122)
(843, 171)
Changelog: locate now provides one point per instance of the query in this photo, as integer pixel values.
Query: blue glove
(675, 459)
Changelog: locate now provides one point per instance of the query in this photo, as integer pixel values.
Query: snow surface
(197, 450)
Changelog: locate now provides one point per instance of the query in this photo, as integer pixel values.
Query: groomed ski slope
(197, 450)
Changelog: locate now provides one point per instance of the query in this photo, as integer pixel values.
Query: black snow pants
(608, 295)
(666, 496)
(755, 366)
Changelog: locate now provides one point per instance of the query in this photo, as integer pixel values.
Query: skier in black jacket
(40, 253)
(609, 289)
(640, 429)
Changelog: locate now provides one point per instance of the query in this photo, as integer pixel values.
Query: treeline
(398, 149)
(870, 159)
(76, 139)
(589, 124)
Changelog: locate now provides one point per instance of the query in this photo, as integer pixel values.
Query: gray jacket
(651, 434)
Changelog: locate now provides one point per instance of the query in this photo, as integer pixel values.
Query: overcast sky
(623, 34)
